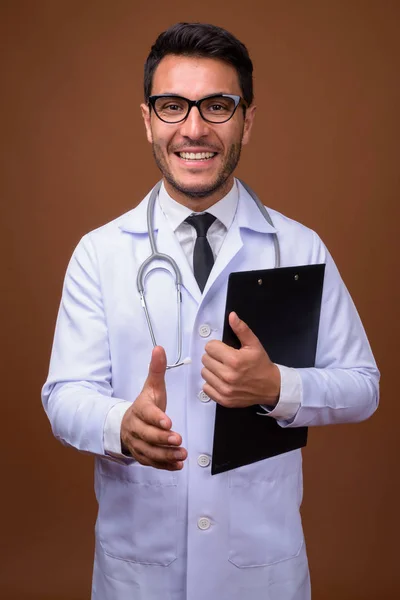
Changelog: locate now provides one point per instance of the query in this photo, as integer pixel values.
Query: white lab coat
(148, 543)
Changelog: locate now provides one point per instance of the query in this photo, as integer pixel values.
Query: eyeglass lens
(174, 109)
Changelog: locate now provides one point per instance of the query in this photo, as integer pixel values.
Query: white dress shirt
(224, 211)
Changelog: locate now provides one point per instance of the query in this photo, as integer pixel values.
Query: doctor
(166, 528)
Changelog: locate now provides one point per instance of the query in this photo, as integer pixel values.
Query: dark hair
(204, 41)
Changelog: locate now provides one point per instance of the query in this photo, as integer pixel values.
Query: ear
(146, 118)
(248, 123)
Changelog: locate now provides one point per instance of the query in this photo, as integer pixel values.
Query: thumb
(158, 366)
(243, 331)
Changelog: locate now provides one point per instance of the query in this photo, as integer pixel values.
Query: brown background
(74, 155)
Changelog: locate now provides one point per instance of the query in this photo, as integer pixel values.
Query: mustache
(189, 145)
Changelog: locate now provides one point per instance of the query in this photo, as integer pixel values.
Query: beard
(200, 190)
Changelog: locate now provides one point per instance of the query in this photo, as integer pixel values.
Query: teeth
(196, 156)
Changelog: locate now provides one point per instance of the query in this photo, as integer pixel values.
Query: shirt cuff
(112, 430)
(290, 396)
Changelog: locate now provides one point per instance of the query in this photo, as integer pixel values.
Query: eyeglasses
(217, 108)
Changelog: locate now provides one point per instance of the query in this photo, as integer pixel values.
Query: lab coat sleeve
(112, 429)
(78, 393)
(343, 387)
(289, 398)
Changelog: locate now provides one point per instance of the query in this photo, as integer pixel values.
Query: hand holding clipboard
(282, 307)
(237, 378)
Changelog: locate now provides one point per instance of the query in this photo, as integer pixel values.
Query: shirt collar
(224, 210)
(247, 214)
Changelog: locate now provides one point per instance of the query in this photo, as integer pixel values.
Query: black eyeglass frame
(237, 100)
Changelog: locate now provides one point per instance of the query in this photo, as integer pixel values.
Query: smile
(196, 155)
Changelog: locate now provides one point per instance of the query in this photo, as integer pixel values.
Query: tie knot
(201, 223)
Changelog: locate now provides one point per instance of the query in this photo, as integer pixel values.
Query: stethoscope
(155, 255)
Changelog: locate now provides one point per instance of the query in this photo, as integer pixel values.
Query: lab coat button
(203, 523)
(203, 397)
(203, 460)
(204, 330)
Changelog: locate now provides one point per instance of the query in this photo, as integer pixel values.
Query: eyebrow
(176, 94)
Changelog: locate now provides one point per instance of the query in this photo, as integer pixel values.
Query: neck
(203, 203)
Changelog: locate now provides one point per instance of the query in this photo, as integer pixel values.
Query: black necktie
(203, 258)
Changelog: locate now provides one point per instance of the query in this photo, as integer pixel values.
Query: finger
(221, 387)
(158, 365)
(155, 383)
(151, 414)
(164, 466)
(220, 351)
(214, 395)
(167, 466)
(217, 368)
(157, 454)
(243, 331)
(155, 435)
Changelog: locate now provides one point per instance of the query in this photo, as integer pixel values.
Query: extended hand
(146, 429)
(239, 378)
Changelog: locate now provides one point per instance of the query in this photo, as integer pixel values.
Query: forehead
(194, 77)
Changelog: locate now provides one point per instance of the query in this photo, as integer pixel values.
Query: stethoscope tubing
(155, 255)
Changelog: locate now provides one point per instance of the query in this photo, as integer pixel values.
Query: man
(166, 528)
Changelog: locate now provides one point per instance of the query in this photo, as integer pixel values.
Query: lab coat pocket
(264, 501)
(137, 513)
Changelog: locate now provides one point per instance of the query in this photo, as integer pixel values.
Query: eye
(172, 107)
(216, 107)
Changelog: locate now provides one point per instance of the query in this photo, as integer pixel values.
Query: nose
(194, 126)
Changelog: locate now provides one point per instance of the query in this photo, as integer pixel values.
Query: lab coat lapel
(229, 249)
(167, 243)
(247, 217)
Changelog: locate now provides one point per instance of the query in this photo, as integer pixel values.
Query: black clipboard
(282, 307)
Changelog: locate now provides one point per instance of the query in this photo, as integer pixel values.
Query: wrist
(274, 386)
(124, 449)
